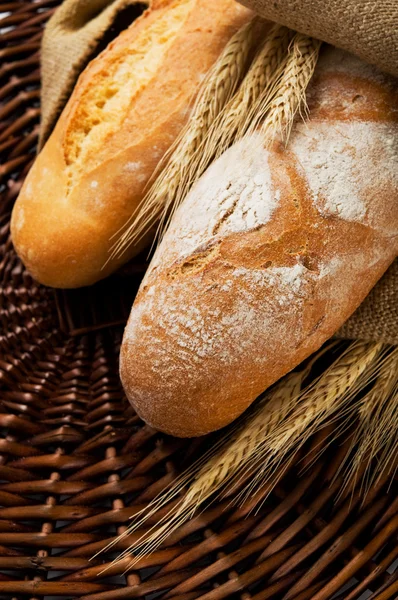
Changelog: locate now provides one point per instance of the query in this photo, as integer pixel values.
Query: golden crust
(67, 212)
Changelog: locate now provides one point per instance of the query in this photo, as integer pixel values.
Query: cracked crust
(127, 108)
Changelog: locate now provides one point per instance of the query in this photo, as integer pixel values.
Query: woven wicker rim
(77, 462)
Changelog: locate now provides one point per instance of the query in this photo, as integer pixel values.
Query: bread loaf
(126, 110)
(269, 254)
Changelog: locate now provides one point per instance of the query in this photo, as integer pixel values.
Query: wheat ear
(221, 464)
(171, 174)
(315, 408)
(274, 112)
(271, 94)
(335, 386)
(261, 77)
(279, 424)
(376, 433)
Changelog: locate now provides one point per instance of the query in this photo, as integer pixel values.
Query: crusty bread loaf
(126, 110)
(269, 254)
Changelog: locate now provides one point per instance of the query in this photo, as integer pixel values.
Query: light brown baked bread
(269, 254)
(126, 110)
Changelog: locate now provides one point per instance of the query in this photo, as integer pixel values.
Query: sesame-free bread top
(128, 106)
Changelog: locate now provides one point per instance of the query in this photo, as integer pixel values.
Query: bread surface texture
(271, 251)
(127, 108)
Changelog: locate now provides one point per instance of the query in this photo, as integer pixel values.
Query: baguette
(128, 106)
(271, 251)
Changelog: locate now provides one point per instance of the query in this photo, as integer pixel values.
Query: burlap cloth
(377, 317)
(70, 40)
(368, 28)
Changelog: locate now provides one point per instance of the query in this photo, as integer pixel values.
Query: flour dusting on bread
(344, 162)
(207, 330)
(236, 193)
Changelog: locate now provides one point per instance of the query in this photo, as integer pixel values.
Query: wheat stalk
(170, 185)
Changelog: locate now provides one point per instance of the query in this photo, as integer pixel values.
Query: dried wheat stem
(217, 89)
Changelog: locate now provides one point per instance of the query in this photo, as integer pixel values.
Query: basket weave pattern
(77, 462)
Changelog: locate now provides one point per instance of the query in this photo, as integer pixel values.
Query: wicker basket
(76, 462)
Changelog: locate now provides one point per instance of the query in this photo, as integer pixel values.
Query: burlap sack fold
(367, 28)
(69, 39)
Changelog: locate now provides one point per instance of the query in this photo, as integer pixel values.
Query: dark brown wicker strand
(76, 462)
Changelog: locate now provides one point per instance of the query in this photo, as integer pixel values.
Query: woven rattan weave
(76, 462)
